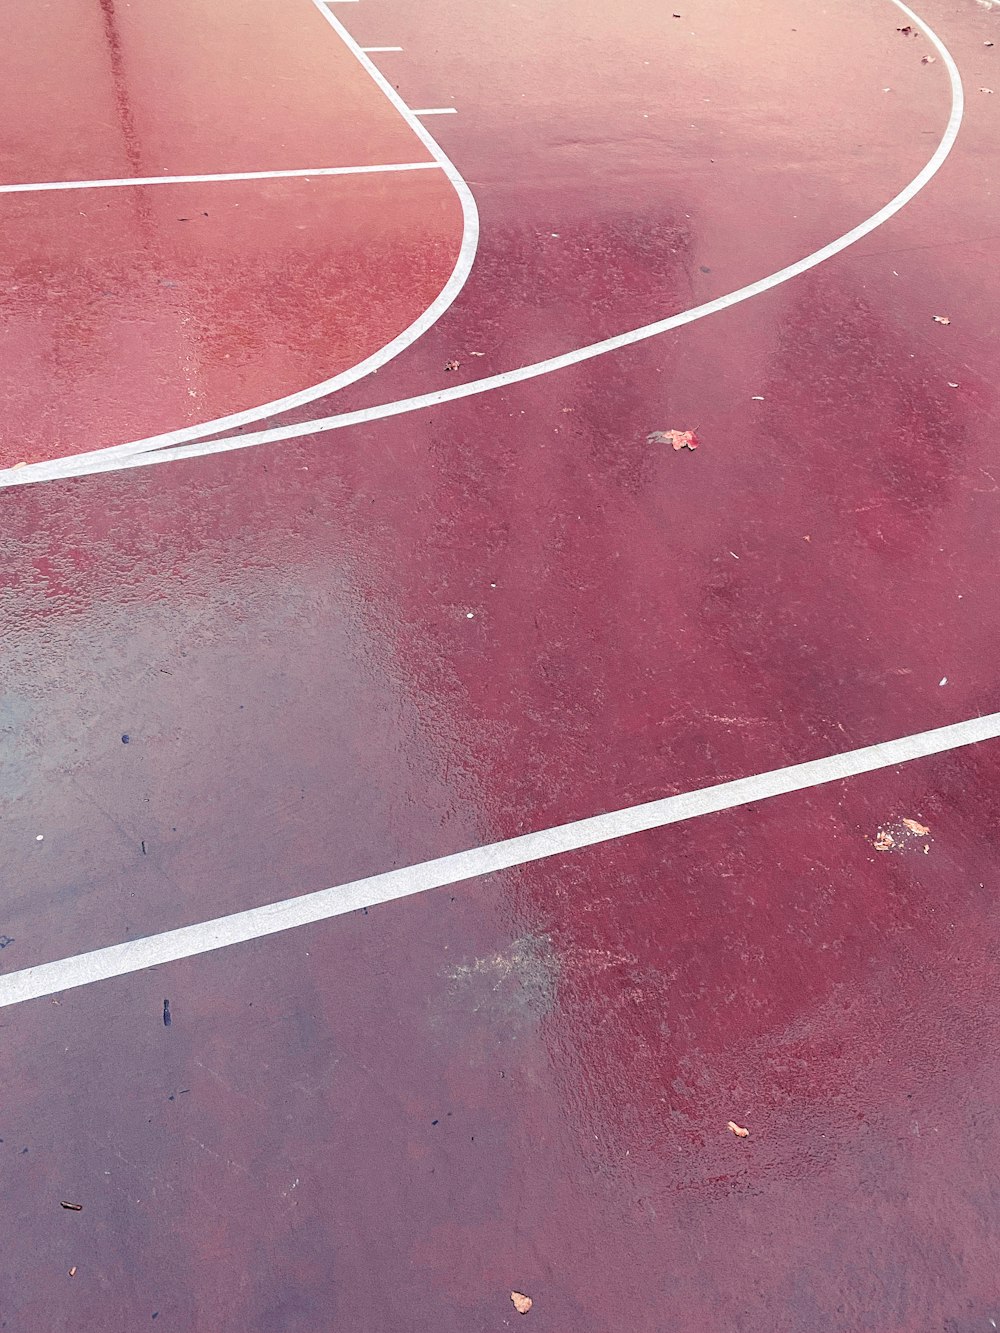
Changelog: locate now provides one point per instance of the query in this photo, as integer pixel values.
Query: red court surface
(206, 297)
(234, 676)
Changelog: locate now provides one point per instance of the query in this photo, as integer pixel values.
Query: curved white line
(82, 465)
(442, 302)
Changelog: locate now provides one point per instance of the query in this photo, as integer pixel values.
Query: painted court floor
(436, 812)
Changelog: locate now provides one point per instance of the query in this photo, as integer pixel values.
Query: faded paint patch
(516, 983)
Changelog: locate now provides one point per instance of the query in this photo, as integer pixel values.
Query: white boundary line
(135, 455)
(31, 187)
(101, 964)
(374, 50)
(444, 299)
(437, 111)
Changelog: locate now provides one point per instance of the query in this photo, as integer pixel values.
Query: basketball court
(439, 815)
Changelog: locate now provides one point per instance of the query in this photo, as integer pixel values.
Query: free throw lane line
(119, 959)
(31, 187)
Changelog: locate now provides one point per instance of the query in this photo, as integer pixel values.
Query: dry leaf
(452, 365)
(15, 466)
(884, 841)
(987, 43)
(522, 1303)
(927, 60)
(72, 1271)
(908, 31)
(677, 439)
(73, 1207)
(986, 90)
(921, 830)
(941, 319)
(738, 1130)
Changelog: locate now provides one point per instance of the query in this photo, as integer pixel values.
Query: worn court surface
(356, 650)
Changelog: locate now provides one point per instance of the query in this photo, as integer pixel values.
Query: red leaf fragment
(677, 439)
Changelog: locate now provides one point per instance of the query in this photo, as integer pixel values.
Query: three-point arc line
(168, 447)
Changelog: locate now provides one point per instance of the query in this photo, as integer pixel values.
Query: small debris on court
(5, 940)
(927, 60)
(986, 90)
(71, 1207)
(522, 1303)
(677, 439)
(167, 1020)
(908, 31)
(72, 1271)
(738, 1130)
(453, 365)
(941, 319)
(899, 836)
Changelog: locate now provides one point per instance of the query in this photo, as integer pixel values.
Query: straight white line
(369, 50)
(101, 964)
(218, 176)
(135, 455)
(437, 111)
